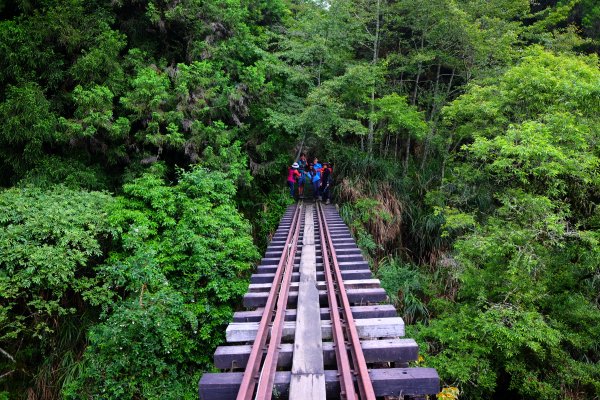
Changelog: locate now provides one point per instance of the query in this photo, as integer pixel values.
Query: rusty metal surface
(361, 371)
(251, 376)
(265, 383)
(347, 390)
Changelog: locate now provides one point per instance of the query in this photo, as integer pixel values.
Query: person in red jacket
(302, 168)
(293, 174)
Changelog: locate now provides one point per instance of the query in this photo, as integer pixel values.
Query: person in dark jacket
(302, 167)
(326, 181)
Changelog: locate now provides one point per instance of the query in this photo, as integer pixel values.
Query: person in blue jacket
(316, 178)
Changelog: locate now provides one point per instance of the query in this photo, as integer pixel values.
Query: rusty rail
(279, 291)
(359, 365)
(341, 354)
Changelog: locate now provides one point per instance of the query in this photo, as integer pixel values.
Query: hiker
(316, 179)
(302, 168)
(326, 181)
(293, 174)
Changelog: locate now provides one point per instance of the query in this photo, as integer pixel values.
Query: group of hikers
(318, 175)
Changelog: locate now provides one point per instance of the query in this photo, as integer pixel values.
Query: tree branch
(6, 374)
(11, 358)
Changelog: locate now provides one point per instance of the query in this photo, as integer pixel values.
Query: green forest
(143, 152)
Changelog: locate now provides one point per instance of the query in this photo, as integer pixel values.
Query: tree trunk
(300, 148)
(407, 155)
(445, 158)
(375, 57)
(414, 97)
(387, 145)
(432, 117)
(401, 85)
(319, 71)
(371, 124)
(434, 106)
(450, 83)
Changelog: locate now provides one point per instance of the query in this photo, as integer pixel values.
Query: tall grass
(59, 367)
(403, 222)
(405, 285)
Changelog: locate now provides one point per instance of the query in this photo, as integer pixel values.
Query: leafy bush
(405, 285)
(51, 243)
(182, 264)
(526, 309)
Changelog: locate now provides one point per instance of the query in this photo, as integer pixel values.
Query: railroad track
(317, 326)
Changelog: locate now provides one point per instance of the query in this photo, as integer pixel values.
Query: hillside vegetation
(143, 148)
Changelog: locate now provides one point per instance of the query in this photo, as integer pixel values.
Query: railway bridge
(318, 324)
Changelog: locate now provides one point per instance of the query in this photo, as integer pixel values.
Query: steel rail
(365, 385)
(347, 390)
(264, 391)
(250, 377)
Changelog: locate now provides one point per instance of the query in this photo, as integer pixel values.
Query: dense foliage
(142, 155)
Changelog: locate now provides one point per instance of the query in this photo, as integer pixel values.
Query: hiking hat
(295, 165)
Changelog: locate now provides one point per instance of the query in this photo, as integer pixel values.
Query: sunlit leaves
(544, 156)
(101, 64)
(531, 252)
(49, 242)
(499, 336)
(94, 115)
(537, 126)
(399, 117)
(184, 257)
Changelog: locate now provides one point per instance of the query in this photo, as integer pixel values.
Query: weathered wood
(375, 351)
(405, 381)
(366, 296)
(270, 269)
(367, 328)
(373, 328)
(259, 299)
(350, 245)
(349, 257)
(372, 311)
(337, 241)
(344, 266)
(297, 286)
(277, 253)
(308, 377)
(386, 382)
(348, 251)
(275, 261)
(355, 296)
(353, 265)
(347, 275)
(338, 232)
(262, 278)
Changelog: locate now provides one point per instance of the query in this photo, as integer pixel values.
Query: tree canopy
(142, 155)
